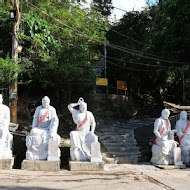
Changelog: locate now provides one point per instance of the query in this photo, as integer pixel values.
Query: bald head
(45, 101)
(165, 113)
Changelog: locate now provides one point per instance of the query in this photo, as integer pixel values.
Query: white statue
(82, 138)
(163, 144)
(183, 132)
(44, 132)
(6, 138)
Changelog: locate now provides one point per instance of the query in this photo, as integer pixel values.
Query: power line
(119, 9)
(169, 59)
(144, 70)
(120, 48)
(145, 64)
(130, 51)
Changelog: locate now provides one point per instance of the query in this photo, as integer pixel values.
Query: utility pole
(13, 89)
(105, 63)
(105, 59)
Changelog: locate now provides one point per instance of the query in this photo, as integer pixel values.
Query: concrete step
(100, 133)
(120, 144)
(127, 141)
(122, 149)
(127, 154)
(113, 137)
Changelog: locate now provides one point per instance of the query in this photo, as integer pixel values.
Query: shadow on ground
(19, 152)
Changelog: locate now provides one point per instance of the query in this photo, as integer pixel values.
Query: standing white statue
(43, 134)
(183, 132)
(163, 144)
(6, 138)
(82, 138)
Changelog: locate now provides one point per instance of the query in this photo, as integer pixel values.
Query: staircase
(118, 143)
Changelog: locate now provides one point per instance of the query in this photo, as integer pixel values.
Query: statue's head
(1, 98)
(45, 102)
(183, 115)
(82, 105)
(165, 113)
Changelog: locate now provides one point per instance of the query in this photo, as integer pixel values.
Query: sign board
(121, 85)
(102, 82)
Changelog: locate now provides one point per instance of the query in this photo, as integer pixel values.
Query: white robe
(37, 140)
(6, 137)
(82, 138)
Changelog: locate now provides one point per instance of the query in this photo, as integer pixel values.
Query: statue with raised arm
(163, 144)
(6, 138)
(43, 134)
(183, 132)
(82, 138)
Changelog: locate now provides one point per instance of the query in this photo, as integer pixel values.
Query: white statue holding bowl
(163, 144)
(44, 131)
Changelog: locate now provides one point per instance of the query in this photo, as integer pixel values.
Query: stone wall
(109, 107)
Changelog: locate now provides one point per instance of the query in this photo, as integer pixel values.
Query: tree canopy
(151, 50)
(59, 40)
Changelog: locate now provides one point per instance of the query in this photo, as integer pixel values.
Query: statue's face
(183, 115)
(165, 114)
(45, 102)
(82, 108)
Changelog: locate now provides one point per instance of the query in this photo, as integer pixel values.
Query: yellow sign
(121, 85)
(102, 82)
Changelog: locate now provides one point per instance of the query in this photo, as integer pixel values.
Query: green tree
(154, 41)
(103, 6)
(58, 46)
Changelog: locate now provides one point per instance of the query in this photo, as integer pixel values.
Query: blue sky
(129, 5)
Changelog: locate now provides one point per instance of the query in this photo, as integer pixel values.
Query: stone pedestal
(6, 164)
(53, 150)
(171, 167)
(177, 156)
(40, 165)
(86, 166)
(95, 152)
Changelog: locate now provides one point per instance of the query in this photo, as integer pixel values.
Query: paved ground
(116, 177)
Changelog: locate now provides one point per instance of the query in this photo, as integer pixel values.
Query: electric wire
(120, 48)
(128, 68)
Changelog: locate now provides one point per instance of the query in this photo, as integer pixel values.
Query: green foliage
(5, 31)
(160, 32)
(58, 48)
(8, 71)
(103, 6)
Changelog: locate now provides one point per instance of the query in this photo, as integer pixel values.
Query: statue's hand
(80, 100)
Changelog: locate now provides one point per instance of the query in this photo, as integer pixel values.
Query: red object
(82, 123)
(162, 132)
(186, 128)
(42, 118)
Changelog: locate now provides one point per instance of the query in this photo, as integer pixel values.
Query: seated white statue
(44, 130)
(82, 138)
(6, 138)
(163, 144)
(183, 132)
